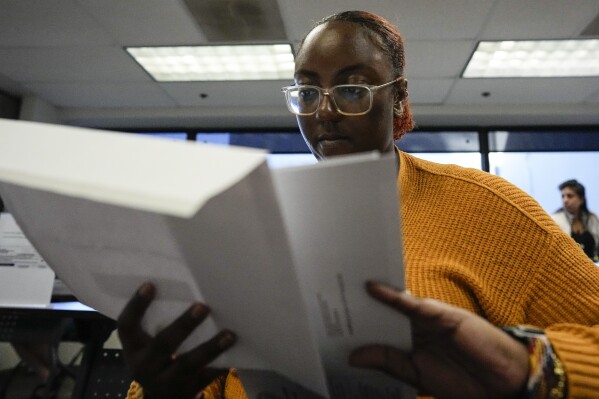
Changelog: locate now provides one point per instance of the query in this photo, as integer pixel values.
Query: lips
(328, 141)
(331, 137)
(329, 145)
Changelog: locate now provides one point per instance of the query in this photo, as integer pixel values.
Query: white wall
(540, 173)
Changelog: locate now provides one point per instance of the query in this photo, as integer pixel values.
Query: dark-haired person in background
(576, 219)
(483, 261)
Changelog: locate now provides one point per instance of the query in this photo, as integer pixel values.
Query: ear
(398, 109)
(401, 93)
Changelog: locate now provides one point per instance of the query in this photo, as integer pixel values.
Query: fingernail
(226, 340)
(146, 290)
(198, 310)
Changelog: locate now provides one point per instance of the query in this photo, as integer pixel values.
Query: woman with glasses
(502, 304)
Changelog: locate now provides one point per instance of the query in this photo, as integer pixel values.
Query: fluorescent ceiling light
(201, 63)
(534, 58)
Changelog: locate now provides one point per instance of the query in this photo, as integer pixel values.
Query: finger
(168, 340)
(194, 362)
(387, 359)
(205, 353)
(427, 316)
(412, 306)
(399, 300)
(129, 321)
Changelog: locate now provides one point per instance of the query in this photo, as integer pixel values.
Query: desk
(61, 321)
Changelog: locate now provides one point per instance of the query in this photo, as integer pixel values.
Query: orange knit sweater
(473, 240)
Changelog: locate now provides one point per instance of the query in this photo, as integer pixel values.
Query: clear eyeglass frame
(290, 90)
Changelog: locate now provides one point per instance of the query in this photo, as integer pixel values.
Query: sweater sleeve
(135, 391)
(227, 387)
(569, 300)
(577, 347)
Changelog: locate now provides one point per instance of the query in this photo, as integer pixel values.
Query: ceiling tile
(246, 93)
(437, 59)
(70, 64)
(48, 23)
(428, 91)
(417, 20)
(539, 19)
(238, 20)
(523, 90)
(103, 95)
(146, 22)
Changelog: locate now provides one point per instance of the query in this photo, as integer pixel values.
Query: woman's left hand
(455, 353)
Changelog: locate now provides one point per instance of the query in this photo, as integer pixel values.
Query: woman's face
(572, 201)
(341, 53)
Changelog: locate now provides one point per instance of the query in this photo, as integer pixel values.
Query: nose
(327, 109)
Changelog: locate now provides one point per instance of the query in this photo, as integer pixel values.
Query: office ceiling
(69, 54)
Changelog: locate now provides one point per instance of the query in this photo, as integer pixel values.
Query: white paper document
(280, 255)
(25, 278)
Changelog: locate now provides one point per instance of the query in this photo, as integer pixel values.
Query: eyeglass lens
(349, 99)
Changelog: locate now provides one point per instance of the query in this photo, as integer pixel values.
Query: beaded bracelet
(547, 377)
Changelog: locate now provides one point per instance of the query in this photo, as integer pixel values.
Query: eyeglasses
(348, 99)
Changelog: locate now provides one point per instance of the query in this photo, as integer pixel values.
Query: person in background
(502, 303)
(576, 220)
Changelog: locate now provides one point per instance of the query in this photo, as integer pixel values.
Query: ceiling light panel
(534, 58)
(211, 63)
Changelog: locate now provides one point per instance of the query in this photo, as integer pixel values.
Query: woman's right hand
(153, 361)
